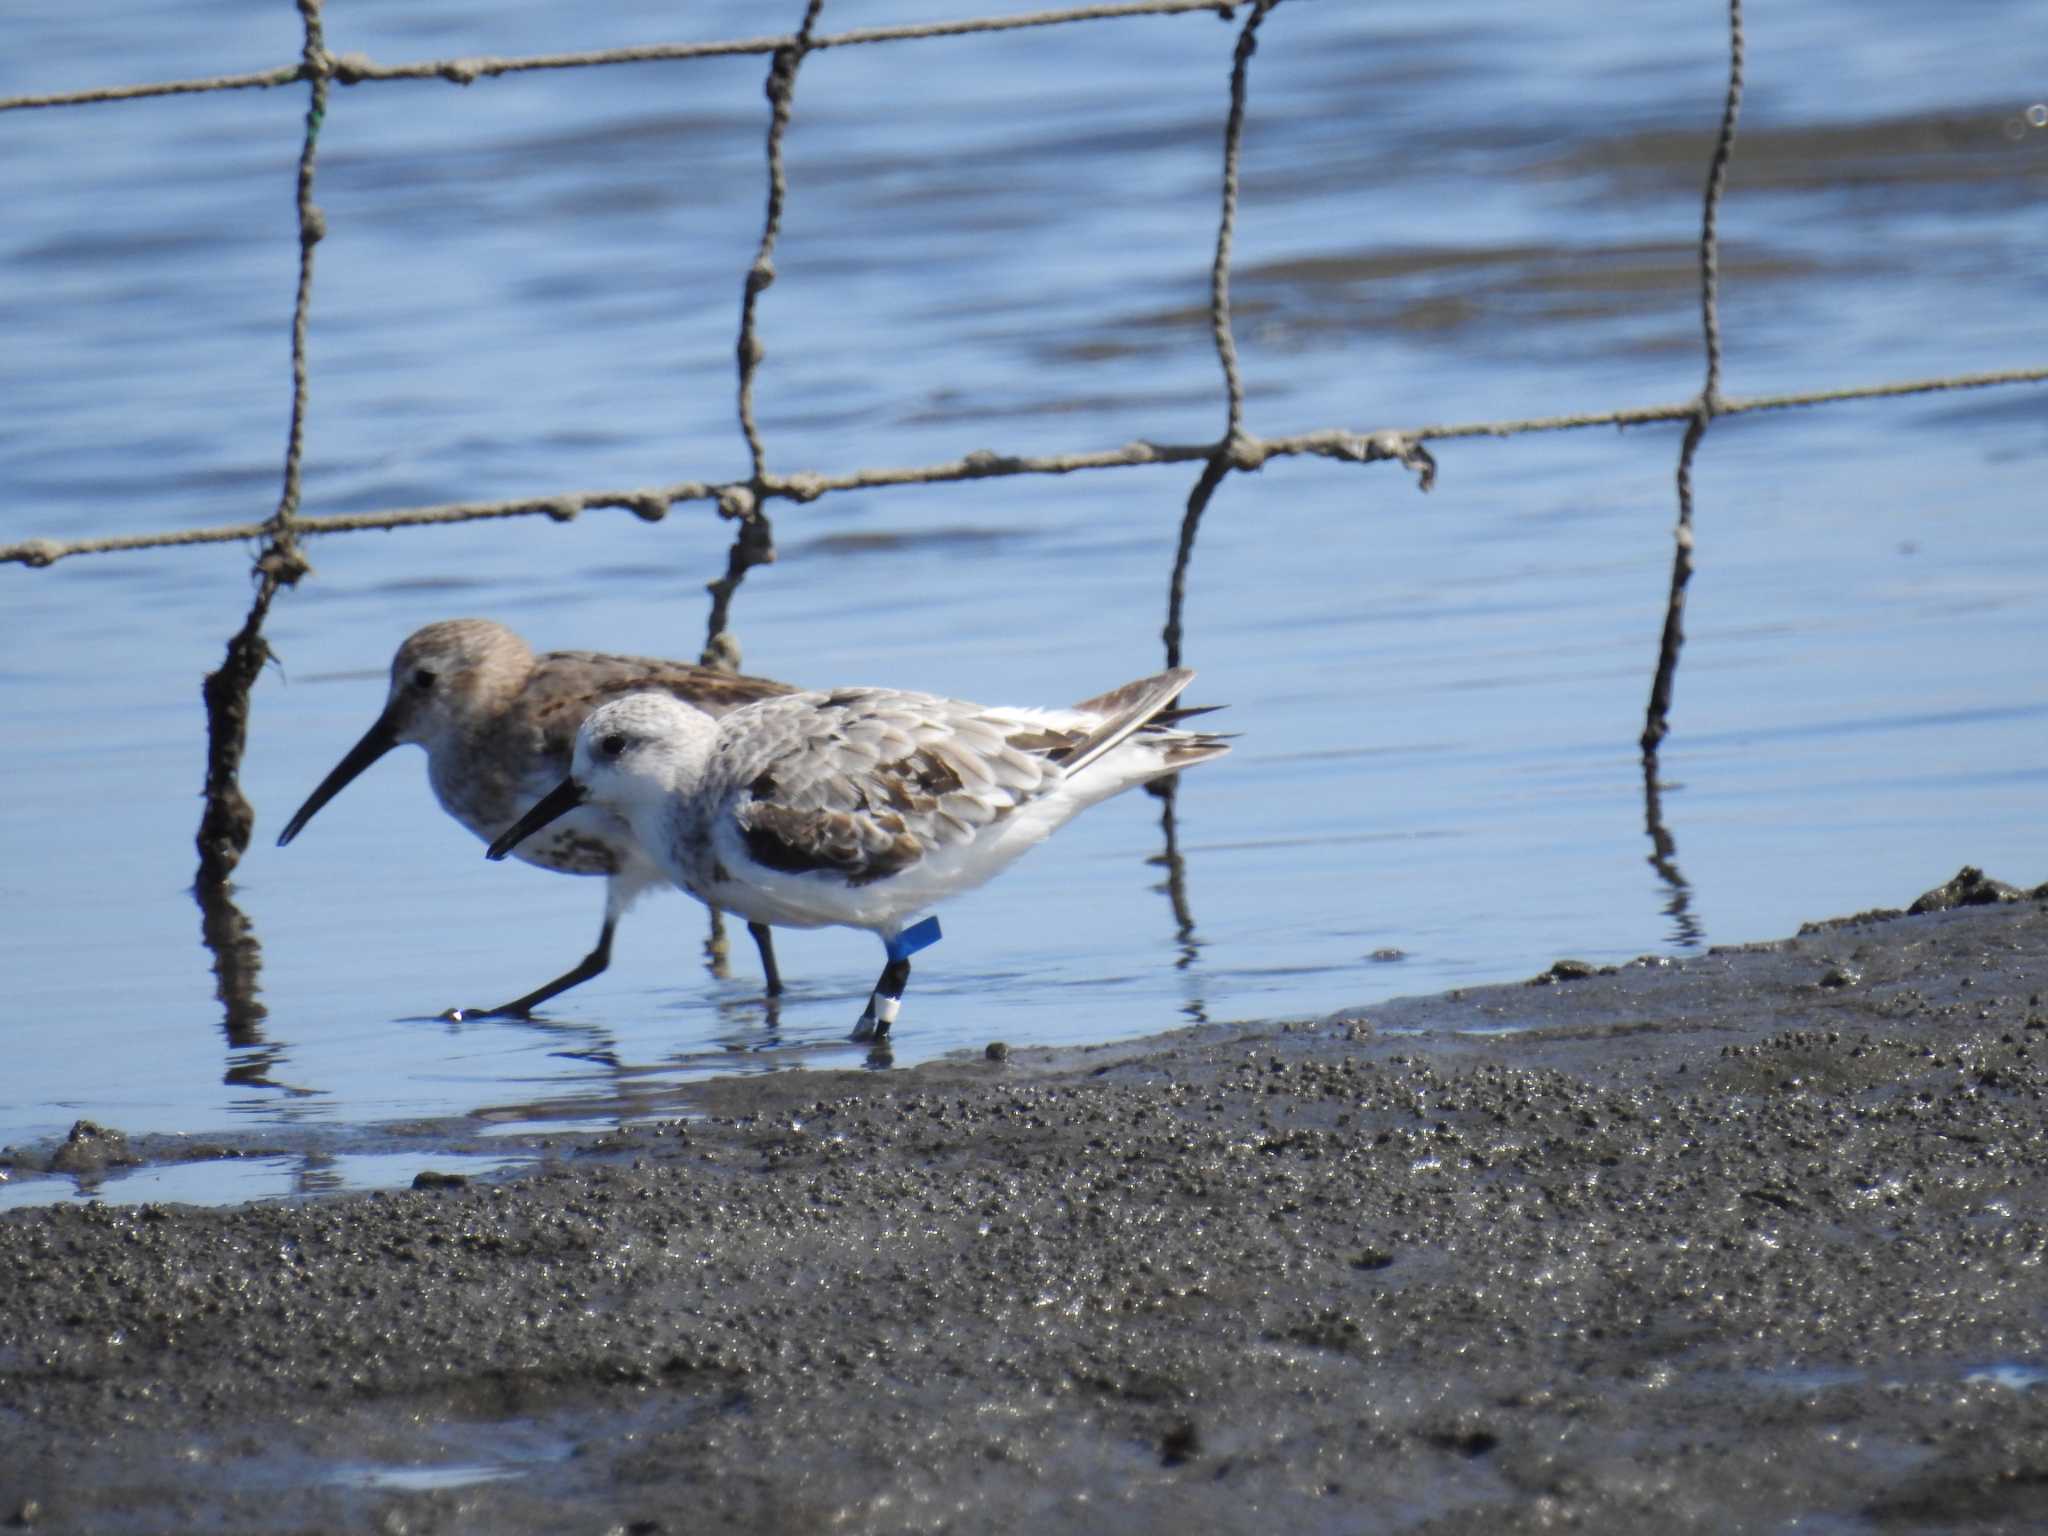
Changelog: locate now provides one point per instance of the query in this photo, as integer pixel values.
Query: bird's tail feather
(1135, 706)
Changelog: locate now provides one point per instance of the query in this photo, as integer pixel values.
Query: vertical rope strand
(1229, 453)
(1657, 722)
(1226, 228)
(228, 819)
(755, 542)
(1663, 856)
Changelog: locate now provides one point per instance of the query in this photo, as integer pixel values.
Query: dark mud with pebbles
(1731, 1243)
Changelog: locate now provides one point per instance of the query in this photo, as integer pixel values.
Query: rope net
(279, 562)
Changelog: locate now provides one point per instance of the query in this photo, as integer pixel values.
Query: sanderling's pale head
(643, 736)
(634, 755)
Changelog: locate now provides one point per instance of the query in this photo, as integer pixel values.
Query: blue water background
(531, 284)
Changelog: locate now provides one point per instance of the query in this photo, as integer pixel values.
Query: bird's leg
(590, 965)
(888, 994)
(885, 1000)
(764, 941)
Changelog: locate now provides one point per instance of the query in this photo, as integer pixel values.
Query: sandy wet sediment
(1697, 1246)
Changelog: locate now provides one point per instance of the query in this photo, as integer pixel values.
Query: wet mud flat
(1724, 1243)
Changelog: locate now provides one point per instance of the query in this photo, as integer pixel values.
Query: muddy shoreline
(1700, 1245)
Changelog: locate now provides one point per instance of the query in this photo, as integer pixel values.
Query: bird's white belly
(726, 877)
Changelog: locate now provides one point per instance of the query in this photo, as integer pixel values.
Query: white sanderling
(864, 806)
(498, 723)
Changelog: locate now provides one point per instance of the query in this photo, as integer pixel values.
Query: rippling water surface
(531, 285)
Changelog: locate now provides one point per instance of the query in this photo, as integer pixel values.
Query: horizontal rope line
(1735, 405)
(652, 504)
(355, 68)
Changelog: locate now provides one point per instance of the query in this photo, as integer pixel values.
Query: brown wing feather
(1124, 710)
(889, 778)
(861, 848)
(557, 697)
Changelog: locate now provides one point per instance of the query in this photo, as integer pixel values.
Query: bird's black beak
(559, 801)
(377, 740)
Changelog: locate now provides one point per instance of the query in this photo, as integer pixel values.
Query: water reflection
(1169, 858)
(230, 938)
(748, 1023)
(1686, 929)
(717, 953)
(317, 1175)
(1175, 888)
(237, 964)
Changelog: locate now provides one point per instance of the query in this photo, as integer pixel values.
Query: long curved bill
(377, 740)
(559, 801)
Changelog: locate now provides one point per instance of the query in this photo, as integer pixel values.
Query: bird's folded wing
(864, 783)
(567, 685)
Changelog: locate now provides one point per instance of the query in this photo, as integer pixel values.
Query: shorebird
(861, 807)
(498, 723)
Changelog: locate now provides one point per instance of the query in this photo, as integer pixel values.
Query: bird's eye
(612, 745)
(423, 680)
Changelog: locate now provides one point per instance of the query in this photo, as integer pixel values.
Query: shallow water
(531, 285)
(216, 1180)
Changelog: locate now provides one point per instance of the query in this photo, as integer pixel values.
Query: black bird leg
(884, 1001)
(764, 941)
(592, 964)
